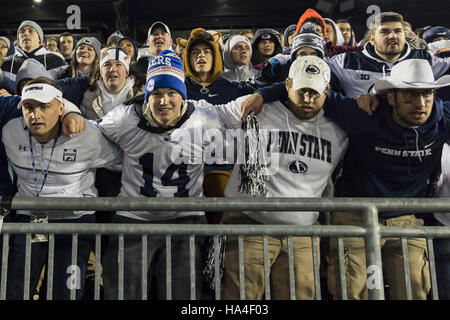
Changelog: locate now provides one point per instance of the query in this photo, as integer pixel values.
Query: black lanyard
(34, 166)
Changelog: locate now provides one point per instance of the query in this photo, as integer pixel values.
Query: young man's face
(388, 40)
(411, 107)
(42, 119)
(319, 29)
(114, 75)
(290, 38)
(158, 40)
(128, 47)
(201, 58)
(266, 47)
(241, 53)
(305, 51)
(304, 103)
(85, 54)
(52, 45)
(331, 35)
(165, 105)
(28, 39)
(66, 45)
(346, 31)
(3, 49)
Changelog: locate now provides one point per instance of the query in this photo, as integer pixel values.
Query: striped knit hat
(165, 71)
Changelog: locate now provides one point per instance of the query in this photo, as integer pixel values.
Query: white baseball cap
(310, 72)
(41, 92)
(158, 23)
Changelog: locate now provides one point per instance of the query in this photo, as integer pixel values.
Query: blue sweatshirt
(8, 111)
(384, 158)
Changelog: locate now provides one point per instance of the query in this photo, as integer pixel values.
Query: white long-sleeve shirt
(72, 166)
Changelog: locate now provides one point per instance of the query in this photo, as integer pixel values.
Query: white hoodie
(304, 154)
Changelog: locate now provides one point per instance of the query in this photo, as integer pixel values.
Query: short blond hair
(384, 17)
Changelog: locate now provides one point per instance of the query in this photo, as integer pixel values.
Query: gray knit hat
(34, 25)
(8, 43)
(91, 41)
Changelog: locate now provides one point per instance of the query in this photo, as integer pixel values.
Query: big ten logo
(375, 10)
(74, 280)
(374, 277)
(74, 20)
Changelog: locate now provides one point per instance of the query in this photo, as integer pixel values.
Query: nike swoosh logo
(212, 95)
(430, 144)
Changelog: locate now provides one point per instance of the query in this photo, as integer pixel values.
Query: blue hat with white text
(165, 71)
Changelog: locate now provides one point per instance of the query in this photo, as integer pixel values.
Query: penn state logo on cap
(312, 69)
(298, 166)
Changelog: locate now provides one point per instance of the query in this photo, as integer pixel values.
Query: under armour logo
(22, 148)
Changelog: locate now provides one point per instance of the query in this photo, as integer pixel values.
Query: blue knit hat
(165, 71)
(435, 32)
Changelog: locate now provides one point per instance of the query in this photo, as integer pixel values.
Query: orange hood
(310, 13)
(213, 41)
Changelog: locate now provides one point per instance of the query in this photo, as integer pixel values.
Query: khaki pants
(214, 184)
(392, 261)
(278, 266)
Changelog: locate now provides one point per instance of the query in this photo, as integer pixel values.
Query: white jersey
(152, 166)
(70, 168)
(303, 155)
(443, 190)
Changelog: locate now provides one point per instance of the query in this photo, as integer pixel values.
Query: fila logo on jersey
(312, 69)
(362, 76)
(70, 155)
(298, 166)
(22, 148)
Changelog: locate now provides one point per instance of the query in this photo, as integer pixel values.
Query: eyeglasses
(414, 94)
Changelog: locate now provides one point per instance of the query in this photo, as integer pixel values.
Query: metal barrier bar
(75, 268)
(144, 267)
(26, 281)
(407, 205)
(241, 268)
(4, 266)
(192, 265)
(370, 231)
(291, 268)
(121, 267)
(433, 277)
(373, 251)
(50, 265)
(265, 241)
(169, 267)
(216, 268)
(98, 254)
(315, 254)
(342, 270)
(406, 269)
(200, 230)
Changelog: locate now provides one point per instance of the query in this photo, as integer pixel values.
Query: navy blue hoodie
(384, 158)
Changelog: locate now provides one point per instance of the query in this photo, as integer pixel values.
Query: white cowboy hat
(411, 74)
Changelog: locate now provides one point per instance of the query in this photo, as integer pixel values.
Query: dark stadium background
(101, 17)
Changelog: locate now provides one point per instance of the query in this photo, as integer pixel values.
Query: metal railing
(369, 207)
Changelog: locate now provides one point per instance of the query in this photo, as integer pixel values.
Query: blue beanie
(435, 32)
(165, 71)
